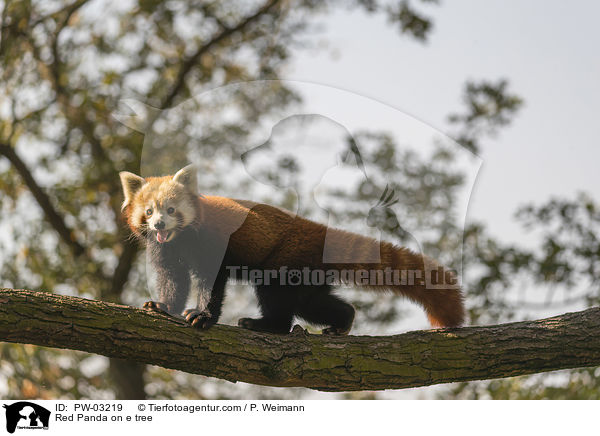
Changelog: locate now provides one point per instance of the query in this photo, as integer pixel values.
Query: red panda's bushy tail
(414, 276)
(438, 291)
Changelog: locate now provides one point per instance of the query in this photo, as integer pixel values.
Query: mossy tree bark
(326, 363)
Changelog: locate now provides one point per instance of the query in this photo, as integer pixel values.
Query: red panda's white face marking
(161, 206)
(166, 209)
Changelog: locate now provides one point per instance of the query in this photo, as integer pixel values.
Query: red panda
(215, 238)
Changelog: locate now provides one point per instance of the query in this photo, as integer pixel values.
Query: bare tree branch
(52, 215)
(320, 362)
(225, 33)
(124, 265)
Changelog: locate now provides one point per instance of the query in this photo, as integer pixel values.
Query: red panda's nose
(159, 225)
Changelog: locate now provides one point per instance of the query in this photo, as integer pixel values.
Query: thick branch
(327, 363)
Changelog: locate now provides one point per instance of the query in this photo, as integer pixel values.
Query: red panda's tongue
(162, 235)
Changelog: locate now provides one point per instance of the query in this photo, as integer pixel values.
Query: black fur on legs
(172, 279)
(207, 313)
(318, 306)
(277, 304)
(193, 253)
(314, 304)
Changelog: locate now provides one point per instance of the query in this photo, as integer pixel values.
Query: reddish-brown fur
(259, 235)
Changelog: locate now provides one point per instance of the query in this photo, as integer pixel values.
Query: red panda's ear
(188, 177)
(131, 184)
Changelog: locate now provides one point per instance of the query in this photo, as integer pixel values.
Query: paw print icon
(294, 277)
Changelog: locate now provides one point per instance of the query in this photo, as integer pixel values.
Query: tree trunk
(128, 379)
(348, 363)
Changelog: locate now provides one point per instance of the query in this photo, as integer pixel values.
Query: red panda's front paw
(201, 319)
(155, 306)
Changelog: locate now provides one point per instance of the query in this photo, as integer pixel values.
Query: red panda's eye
(148, 212)
(170, 211)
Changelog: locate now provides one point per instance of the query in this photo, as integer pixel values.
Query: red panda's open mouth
(163, 236)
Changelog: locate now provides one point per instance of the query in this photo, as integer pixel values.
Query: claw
(199, 319)
(155, 306)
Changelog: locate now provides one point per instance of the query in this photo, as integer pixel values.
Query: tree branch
(326, 363)
(52, 215)
(225, 33)
(121, 273)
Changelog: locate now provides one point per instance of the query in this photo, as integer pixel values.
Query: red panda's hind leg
(277, 305)
(318, 306)
(268, 325)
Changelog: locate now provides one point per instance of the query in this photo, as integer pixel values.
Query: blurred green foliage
(64, 68)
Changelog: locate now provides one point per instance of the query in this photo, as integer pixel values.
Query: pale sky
(548, 50)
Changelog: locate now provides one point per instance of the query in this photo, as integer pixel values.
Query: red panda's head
(161, 207)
